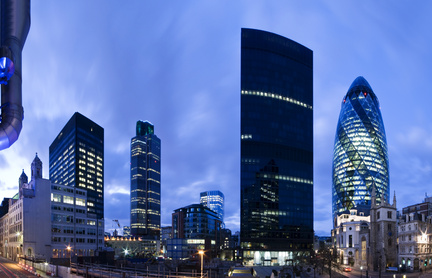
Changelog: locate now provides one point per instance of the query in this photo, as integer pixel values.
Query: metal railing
(103, 271)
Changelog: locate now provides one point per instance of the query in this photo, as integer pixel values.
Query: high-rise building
(214, 200)
(276, 148)
(76, 159)
(360, 159)
(145, 182)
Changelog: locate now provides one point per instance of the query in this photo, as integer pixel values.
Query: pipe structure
(14, 28)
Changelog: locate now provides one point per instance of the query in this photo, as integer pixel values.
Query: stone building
(415, 237)
(352, 229)
(367, 238)
(383, 234)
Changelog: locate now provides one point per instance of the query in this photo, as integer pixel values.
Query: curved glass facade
(276, 146)
(360, 159)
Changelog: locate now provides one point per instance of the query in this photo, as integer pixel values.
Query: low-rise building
(201, 227)
(367, 238)
(349, 237)
(415, 237)
(136, 247)
(46, 221)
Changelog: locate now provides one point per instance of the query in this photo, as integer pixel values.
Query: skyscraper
(276, 148)
(76, 158)
(214, 200)
(145, 182)
(360, 159)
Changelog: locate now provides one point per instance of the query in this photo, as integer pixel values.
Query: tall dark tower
(145, 182)
(276, 148)
(76, 158)
(360, 159)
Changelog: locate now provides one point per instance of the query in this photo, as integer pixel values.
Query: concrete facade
(350, 237)
(46, 220)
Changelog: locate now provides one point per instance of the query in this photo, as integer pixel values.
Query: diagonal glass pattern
(360, 158)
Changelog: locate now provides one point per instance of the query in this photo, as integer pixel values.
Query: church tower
(36, 168)
(383, 234)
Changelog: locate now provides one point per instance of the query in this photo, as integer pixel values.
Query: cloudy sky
(177, 65)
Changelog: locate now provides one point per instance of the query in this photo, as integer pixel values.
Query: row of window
(77, 240)
(67, 199)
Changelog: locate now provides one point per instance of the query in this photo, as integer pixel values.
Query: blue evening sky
(177, 65)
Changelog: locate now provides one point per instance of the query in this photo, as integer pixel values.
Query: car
(347, 269)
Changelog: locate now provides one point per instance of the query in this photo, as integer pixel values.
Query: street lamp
(361, 271)
(70, 256)
(201, 252)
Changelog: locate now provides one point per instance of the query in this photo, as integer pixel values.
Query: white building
(46, 220)
(351, 230)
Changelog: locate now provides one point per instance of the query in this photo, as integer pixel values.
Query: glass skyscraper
(76, 158)
(276, 148)
(145, 182)
(214, 200)
(360, 159)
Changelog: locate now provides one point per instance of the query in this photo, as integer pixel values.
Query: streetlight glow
(201, 252)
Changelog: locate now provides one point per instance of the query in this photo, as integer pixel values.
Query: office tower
(194, 227)
(145, 182)
(214, 200)
(76, 159)
(360, 160)
(276, 148)
(185, 219)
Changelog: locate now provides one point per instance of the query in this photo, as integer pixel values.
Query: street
(9, 269)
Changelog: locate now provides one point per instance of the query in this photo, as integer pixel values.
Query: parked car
(347, 269)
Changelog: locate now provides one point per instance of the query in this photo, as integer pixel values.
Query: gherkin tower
(360, 159)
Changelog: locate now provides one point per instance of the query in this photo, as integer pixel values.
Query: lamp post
(201, 252)
(361, 271)
(70, 256)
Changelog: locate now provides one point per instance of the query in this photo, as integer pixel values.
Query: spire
(36, 168)
(394, 199)
(22, 179)
(373, 197)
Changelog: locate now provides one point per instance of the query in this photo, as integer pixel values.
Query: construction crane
(117, 222)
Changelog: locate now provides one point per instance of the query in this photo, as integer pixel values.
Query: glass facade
(76, 159)
(214, 200)
(276, 146)
(145, 182)
(196, 222)
(360, 159)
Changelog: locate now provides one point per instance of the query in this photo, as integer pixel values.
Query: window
(80, 202)
(56, 197)
(378, 215)
(69, 219)
(80, 221)
(68, 200)
(389, 214)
